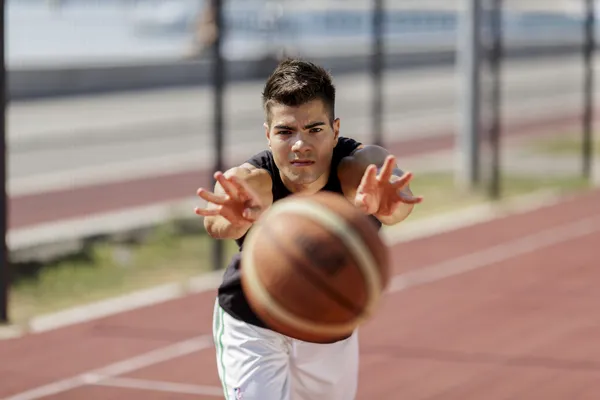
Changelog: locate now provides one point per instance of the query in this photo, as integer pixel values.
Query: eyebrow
(309, 126)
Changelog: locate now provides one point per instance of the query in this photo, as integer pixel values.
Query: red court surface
(506, 309)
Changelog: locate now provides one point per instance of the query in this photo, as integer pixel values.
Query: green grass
(441, 195)
(172, 254)
(109, 269)
(564, 145)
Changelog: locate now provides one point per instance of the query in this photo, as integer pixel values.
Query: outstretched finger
(369, 178)
(207, 212)
(403, 180)
(226, 184)
(385, 173)
(211, 197)
(245, 190)
(252, 214)
(361, 202)
(409, 199)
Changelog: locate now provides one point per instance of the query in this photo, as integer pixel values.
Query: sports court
(506, 309)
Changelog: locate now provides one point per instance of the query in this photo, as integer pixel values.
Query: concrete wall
(30, 83)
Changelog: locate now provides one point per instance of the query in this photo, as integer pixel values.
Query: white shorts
(259, 364)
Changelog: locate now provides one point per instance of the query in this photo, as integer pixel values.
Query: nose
(300, 145)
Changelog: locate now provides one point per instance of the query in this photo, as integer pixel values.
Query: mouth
(302, 163)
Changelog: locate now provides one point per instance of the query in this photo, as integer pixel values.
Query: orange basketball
(314, 267)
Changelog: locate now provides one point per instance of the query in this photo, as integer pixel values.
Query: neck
(310, 188)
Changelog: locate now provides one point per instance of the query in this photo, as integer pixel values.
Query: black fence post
(5, 272)
(219, 74)
(468, 63)
(495, 60)
(377, 72)
(588, 88)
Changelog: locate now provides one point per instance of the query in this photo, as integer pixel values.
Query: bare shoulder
(255, 177)
(358, 160)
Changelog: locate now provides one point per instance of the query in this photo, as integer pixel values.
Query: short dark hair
(295, 82)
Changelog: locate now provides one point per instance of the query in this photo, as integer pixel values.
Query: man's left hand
(381, 193)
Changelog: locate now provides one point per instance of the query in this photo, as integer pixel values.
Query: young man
(305, 155)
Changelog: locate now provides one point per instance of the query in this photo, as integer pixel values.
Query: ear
(336, 129)
(267, 133)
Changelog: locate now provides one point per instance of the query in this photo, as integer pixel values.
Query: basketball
(314, 267)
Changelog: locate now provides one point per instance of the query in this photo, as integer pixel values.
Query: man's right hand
(238, 203)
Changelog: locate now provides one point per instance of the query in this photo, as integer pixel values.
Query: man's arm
(257, 180)
(352, 169)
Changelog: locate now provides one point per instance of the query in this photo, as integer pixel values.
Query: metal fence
(488, 148)
(480, 98)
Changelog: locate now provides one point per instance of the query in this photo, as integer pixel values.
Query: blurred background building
(166, 29)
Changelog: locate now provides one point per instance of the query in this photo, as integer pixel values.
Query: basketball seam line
(336, 225)
(297, 264)
(277, 310)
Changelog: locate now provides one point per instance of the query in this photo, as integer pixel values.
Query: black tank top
(230, 295)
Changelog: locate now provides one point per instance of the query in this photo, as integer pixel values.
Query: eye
(284, 132)
(316, 130)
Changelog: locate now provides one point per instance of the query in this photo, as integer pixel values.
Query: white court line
(492, 255)
(119, 368)
(435, 272)
(160, 386)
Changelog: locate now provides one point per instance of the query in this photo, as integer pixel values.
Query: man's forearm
(220, 228)
(401, 213)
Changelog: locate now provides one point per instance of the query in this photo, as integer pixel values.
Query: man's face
(302, 140)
